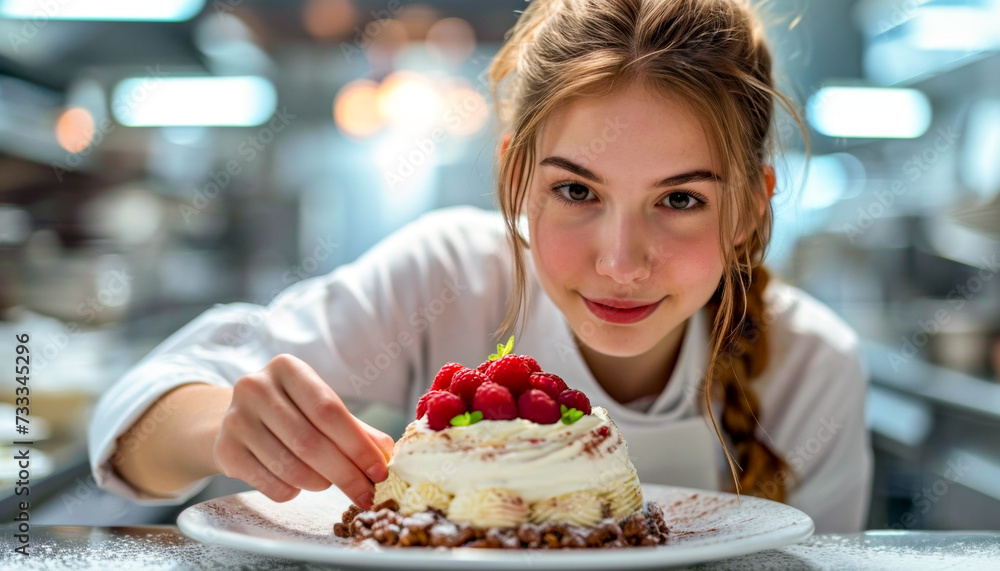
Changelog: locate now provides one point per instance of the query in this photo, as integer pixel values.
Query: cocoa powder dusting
(591, 447)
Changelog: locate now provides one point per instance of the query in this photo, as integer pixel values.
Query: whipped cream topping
(533, 461)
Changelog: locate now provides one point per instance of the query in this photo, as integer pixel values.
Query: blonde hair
(711, 53)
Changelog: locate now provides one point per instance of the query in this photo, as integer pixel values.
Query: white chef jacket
(378, 330)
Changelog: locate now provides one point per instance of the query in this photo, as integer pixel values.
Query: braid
(742, 360)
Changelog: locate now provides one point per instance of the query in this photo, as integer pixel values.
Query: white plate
(704, 526)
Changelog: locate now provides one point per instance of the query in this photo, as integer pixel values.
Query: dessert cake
(506, 455)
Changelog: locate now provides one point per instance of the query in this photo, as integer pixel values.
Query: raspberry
(495, 402)
(442, 407)
(442, 381)
(573, 398)
(548, 383)
(536, 406)
(531, 363)
(486, 365)
(465, 383)
(422, 403)
(511, 372)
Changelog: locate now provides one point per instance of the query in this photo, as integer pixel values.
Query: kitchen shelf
(935, 384)
(975, 72)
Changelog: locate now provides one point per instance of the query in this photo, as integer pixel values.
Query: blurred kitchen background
(161, 156)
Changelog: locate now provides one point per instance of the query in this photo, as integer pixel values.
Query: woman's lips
(621, 311)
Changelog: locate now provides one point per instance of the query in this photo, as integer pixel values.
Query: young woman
(634, 193)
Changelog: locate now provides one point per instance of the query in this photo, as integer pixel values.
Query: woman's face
(623, 215)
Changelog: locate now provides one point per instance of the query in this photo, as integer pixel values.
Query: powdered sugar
(146, 548)
(879, 550)
(446, 529)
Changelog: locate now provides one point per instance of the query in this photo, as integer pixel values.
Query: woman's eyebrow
(579, 170)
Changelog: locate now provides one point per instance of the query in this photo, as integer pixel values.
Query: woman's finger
(381, 439)
(324, 409)
(281, 461)
(249, 469)
(285, 421)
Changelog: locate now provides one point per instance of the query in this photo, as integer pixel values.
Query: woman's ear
(770, 180)
(504, 145)
(769, 183)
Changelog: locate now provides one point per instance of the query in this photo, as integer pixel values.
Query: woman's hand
(286, 430)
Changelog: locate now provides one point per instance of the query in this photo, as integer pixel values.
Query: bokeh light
(409, 100)
(327, 19)
(75, 129)
(355, 110)
(451, 39)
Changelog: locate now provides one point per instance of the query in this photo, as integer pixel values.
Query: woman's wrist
(171, 445)
(212, 402)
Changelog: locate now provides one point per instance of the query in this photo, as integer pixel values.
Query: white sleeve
(825, 440)
(353, 326)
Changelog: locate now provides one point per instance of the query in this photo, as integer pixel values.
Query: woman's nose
(623, 254)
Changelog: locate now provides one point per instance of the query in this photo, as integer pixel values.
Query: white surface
(704, 525)
(379, 329)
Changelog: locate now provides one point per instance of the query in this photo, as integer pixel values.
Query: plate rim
(639, 558)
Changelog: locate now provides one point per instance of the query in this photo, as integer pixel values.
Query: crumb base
(431, 528)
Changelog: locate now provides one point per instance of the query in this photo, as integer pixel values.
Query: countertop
(165, 547)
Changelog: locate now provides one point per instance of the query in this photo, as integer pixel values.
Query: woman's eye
(574, 192)
(681, 201)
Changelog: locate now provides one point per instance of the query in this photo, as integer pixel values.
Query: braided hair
(736, 364)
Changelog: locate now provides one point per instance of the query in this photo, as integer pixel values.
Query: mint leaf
(563, 409)
(503, 350)
(466, 419)
(569, 416)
